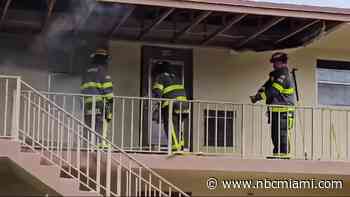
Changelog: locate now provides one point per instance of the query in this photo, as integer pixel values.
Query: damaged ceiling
(116, 20)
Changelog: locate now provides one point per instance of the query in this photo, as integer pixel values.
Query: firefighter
(169, 85)
(279, 90)
(97, 82)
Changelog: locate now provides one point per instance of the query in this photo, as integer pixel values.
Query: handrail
(241, 120)
(202, 101)
(48, 115)
(104, 139)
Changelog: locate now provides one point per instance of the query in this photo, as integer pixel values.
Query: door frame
(174, 54)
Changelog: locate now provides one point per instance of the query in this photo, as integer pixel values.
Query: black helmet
(100, 56)
(161, 67)
(279, 57)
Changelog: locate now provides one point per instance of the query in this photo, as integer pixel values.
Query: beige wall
(125, 68)
(222, 75)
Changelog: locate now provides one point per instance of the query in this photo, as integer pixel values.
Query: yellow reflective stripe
(165, 103)
(96, 85)
(277, 87)
(89, 99)
(91, 85)
(172, 88)
(173, 134)
(290, 122)
(181, 98)
(263, 95)
(282, 155)
(178, 98)
(158, 86)
(108, 96)
(182, 111)
(283, 109)
(288, 91)
(282, 90)
(107, 85)
(99, 98)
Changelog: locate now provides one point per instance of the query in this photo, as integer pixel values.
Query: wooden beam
(324, 34)
(221, 30)
(117, 27)
(248, 7)
(51, 4)
(157, 22)
(298, 30)
(4, 12)
(189, 28)
(263, 29)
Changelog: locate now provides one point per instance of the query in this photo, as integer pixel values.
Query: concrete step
(41, 168)
(12, 147)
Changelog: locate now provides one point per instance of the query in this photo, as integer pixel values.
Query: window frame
(330, 65)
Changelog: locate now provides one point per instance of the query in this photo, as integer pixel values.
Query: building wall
(218, 73)
(23, 57)
(222, 75)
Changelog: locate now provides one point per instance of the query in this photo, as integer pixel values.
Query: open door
(181, 61)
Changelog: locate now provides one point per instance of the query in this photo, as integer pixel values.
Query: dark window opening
(214, 128)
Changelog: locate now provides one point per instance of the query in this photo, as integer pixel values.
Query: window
(218, 121)
(333, 82)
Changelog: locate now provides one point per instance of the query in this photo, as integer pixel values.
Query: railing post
(93, 121)
(16, 110)
(108, 172)
(242, 133)
(170, 126)
(312, 133)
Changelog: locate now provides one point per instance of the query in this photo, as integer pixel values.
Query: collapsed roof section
(235, 24)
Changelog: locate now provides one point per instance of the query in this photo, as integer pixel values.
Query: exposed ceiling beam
(51, 4)
(260, 31)
(157, 22)
(221, 30)
(323, 34)
(118, 25)
(249, 7)
(298, 30)
(189, 28)
(4, 12)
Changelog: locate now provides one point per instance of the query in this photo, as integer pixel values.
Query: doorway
(181, 62)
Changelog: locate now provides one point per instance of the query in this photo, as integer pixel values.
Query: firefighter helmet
(100, 56)
(161, 67)
(279, 57)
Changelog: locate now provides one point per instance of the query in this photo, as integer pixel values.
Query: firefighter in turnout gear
(279, 90)
(169, 85)
(97, 82)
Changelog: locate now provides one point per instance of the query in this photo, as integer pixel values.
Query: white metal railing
(242, 130)
(68, 143)
(138, 123)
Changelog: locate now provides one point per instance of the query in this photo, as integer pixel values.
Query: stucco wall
(222, 75)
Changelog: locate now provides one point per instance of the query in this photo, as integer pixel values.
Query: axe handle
(295, 83)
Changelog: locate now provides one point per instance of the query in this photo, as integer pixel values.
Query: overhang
(234, 24)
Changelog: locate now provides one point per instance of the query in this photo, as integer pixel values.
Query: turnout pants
(177, 128)
(100, 128)
(281, 122)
